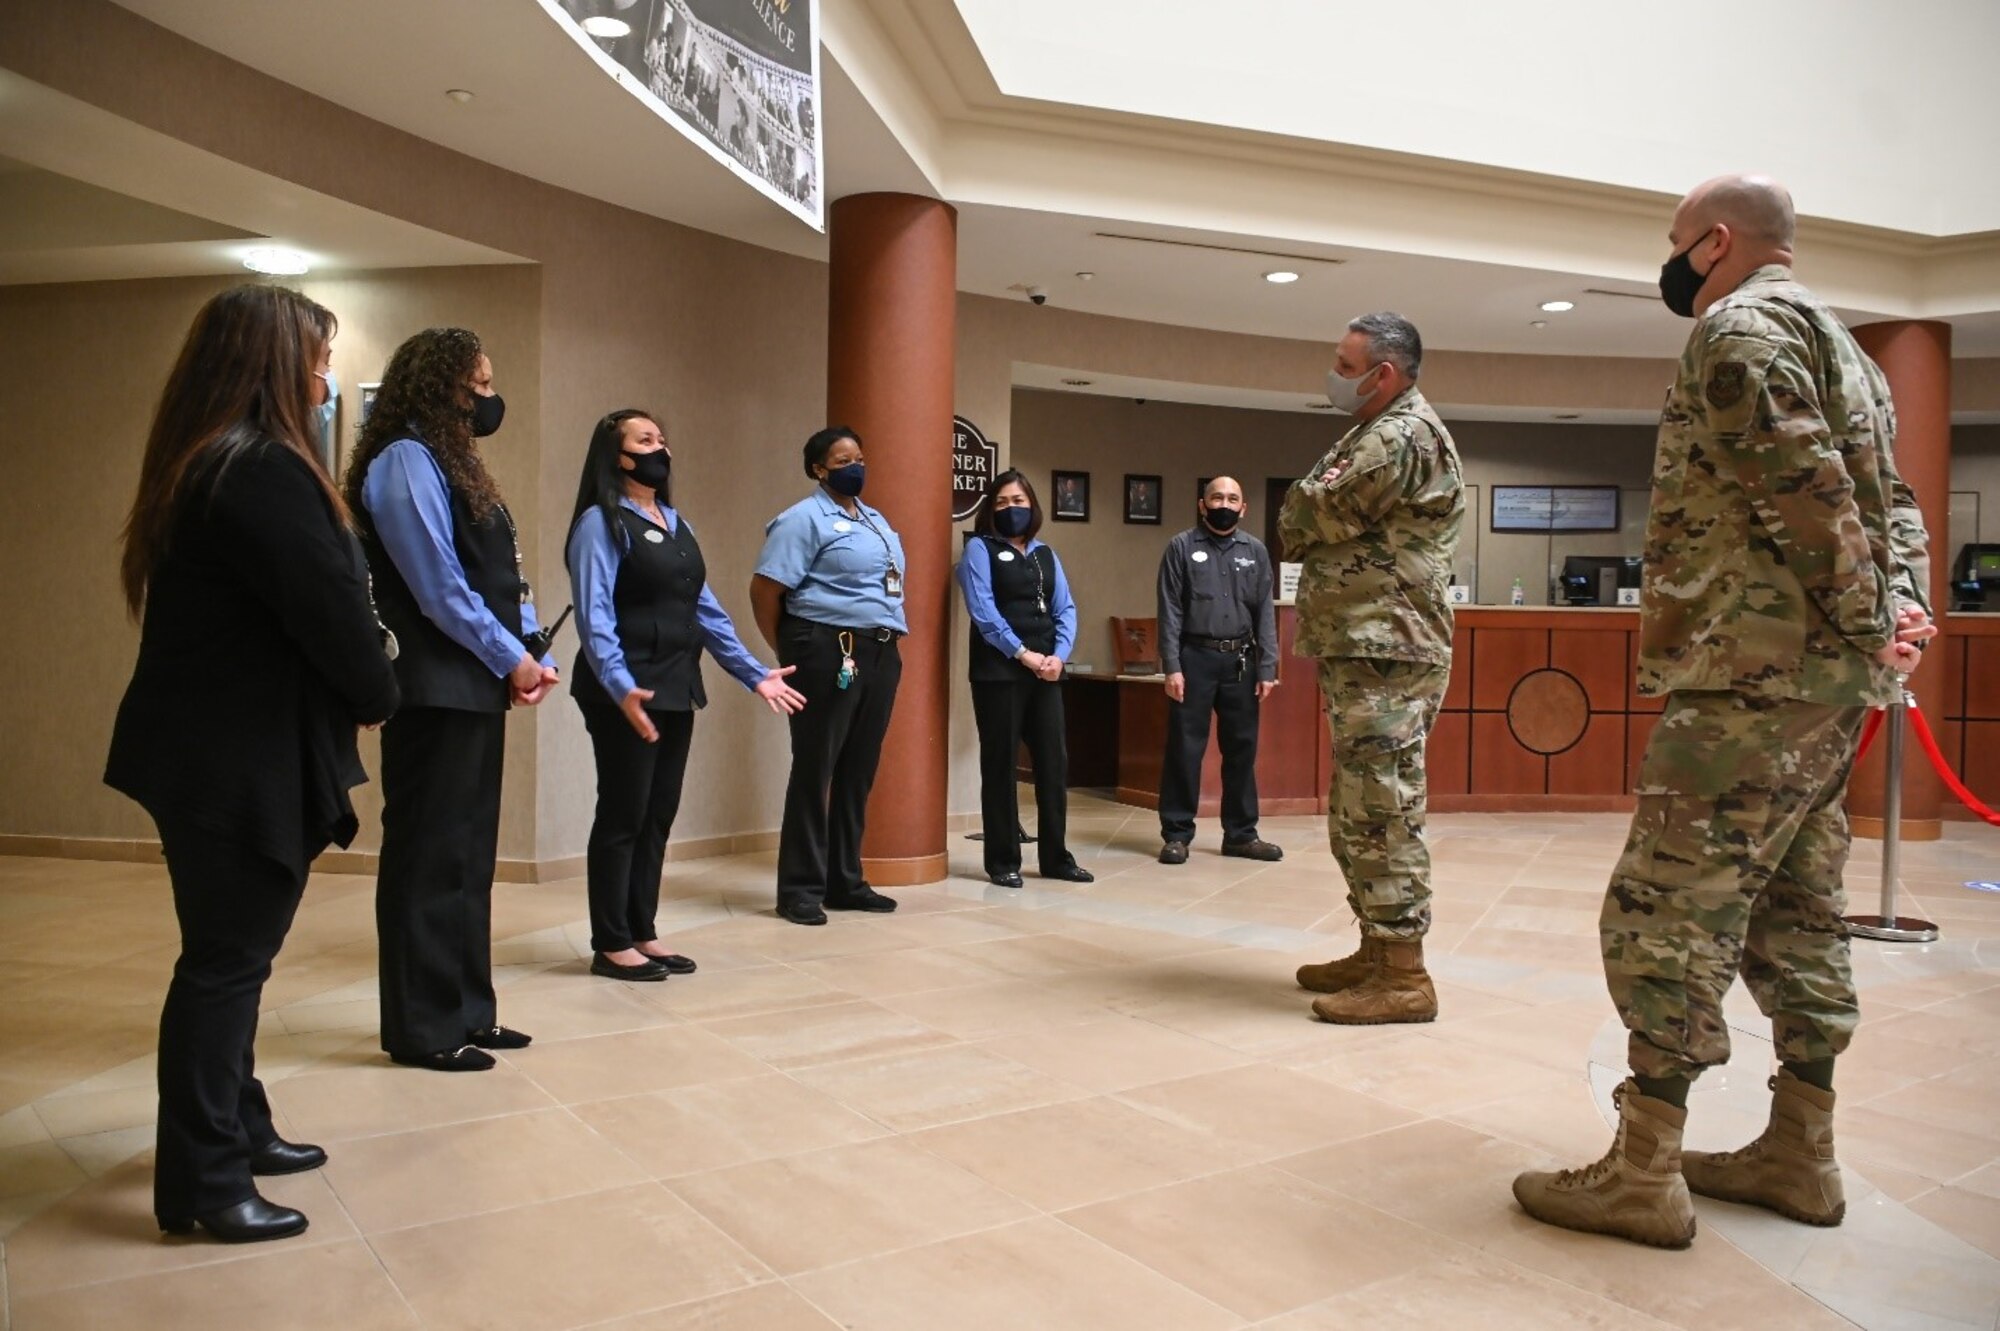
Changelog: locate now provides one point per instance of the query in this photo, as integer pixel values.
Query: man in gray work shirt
(1219, 647)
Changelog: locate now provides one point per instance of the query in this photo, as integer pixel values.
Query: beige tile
(881, 974)
(1870, 1136)
(1081, 1151)
(826, 1033)
(601, 1066)
(749, 990)
(348, 1292)
(809, 1211)
(766, 1307)
(1257, 1241)
(37, 1167)
(100, 1152)
(1260, 1113)
(1972, 1216)
(1465, 1289)
(999, 1007)
(381, 1097)
(1039, 1273)
(700, 1128)
(1437, 1077)
(99, 1111)
(911, 1091)
(1434, 1173)
(1116, 1054)
(618, 1253)
(584, 1007)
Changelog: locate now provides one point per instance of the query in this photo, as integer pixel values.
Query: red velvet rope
(1950, 778)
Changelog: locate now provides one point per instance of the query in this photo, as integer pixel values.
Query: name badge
(1199, 556)
(655, 536)
(1006, 556)
(843, 526)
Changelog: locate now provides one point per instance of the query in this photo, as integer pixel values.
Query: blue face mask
(1013, 521)
(847, 480)
(324, 411)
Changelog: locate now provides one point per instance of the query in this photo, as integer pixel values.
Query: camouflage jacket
(1378, 543)
(1780, 540)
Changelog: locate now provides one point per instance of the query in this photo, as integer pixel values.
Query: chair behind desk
(1135, 645)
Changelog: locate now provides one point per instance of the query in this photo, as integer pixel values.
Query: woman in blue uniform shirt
(645, 614)
(828, 595)
(1023, 626)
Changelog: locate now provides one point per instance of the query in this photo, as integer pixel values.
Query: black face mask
(1011, 522)
(847, 480)
(1680, 283)
(649, 469)
(488, 410)
(1223, 519)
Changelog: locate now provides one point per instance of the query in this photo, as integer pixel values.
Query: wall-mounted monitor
(1553, 508)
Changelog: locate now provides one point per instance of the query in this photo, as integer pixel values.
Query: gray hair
(1391, 338)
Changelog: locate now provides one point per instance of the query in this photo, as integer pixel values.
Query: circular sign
(1548, 711)
(974, 461)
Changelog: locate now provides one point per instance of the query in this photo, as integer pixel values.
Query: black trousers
(1009, 712)
(434, 891)
(836, 744)
(1213, 689)
(638, 794)
(235, 907)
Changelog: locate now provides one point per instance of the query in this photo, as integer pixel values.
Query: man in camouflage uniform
(1376, 525)
(1784, 594)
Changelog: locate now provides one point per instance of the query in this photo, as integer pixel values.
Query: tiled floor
(1090, 1108)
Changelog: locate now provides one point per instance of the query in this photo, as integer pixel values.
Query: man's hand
(1914, 625)
(1332, 474)
(1264, 688)
(1177, 686)
(546, 678)
(1052, 668)
(1904, 656)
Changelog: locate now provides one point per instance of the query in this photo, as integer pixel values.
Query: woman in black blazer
(259, 654)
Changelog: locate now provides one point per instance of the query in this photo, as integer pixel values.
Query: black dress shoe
(1004, 879)
(251, 1221)
(867, 899)
(803, 913)
(462, 1059)
(500, 1037)
(279, 1156)
(1256, 848)
(648, 969)
(1070, 873)
(675, 963)
(1174, 852)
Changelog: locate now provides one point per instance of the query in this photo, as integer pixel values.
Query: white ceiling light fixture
(1538, 323)
(1076, 383)
(459, 95)
(1567, 416)
(1558, 306)
(1281, 277)
(603, 25)
(1085, 277)
(276, 261)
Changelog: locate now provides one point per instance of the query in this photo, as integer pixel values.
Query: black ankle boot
(251, 1221)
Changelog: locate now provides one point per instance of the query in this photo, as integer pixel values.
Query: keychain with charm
(847, 669)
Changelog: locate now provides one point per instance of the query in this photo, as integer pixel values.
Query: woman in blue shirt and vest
(1023, 626)
(828, 594)
(448, 581)
(644, 613)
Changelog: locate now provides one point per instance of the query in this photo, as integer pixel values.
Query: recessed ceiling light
(1076, 383)
(276, 261)
(1558, 306)
(603, 25)
(1085, 277)
(1282, 276)
(1568, 416)
(459, 95)
(1319, 406)
(1538, 323)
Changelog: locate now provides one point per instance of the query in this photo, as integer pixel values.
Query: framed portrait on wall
(1142, 499)
(368, 392)
(1069, 496)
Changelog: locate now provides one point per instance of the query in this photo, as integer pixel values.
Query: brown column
(1916, 355)
(891, 335)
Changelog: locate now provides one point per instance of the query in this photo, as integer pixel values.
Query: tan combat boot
(1397, 989)
(1635, 1192)
(1789, 1169)
(1330, 977)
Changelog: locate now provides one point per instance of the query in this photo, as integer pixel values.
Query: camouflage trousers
(1380, 713)
(1734, 863)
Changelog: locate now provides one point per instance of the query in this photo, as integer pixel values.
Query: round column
(1916, 356)
(891, 339)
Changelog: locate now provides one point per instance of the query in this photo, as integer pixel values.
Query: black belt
(879, 635)
(1230, 645)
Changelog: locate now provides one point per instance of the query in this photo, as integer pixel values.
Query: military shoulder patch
(1725, 384)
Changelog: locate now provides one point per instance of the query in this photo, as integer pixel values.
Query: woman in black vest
(448, 580)
(1023, 625)
(644, 613)
(258, 656)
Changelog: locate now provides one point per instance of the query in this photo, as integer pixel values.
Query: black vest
(659, 585)
(1018, 581)
(433, 670)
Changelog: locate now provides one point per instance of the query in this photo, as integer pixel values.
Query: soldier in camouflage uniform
(1376, 525)
(1784, 594)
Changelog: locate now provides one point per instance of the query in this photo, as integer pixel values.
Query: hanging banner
(738, 77)
(973, 463)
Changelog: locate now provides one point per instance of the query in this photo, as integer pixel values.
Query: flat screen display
(1553, 508)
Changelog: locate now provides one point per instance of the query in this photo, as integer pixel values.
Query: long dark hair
(244, 374)
(983, 523)
(423, 391)
(603, 481)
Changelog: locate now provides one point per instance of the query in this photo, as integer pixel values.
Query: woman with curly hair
(448, 581)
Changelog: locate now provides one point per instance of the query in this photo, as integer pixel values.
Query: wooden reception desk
(1541, 715)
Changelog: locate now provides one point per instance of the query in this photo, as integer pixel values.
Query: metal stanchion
(1888, 927)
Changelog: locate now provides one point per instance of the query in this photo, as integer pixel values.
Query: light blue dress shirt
(594, 559)
(975, 579)
(409, 503)
(835, 566)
